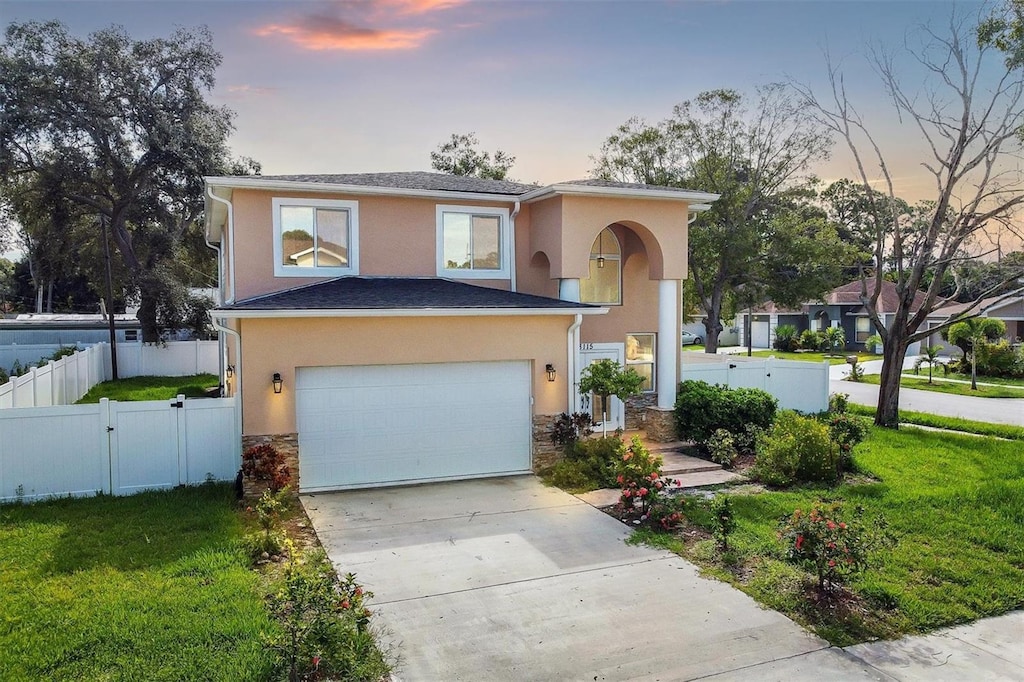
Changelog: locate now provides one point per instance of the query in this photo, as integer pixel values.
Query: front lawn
(937, 373)
(814, 356)
(956, 504)
(150, 388)
(938, 421)
(950, 387)
(149, 587)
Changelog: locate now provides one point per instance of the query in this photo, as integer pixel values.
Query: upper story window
(605, 282)
(315, 237)
(473, 243)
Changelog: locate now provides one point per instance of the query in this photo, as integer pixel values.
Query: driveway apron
(506, 579)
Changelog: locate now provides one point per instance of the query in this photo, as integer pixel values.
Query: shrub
(811, 340)
(845, 431)
(999, 359)
(723, 522)
(570, 428)
(856, 372)
(265, 463)
(589, 464)
(796, 448)
(832, 544)
(638, 473)
(722, 446)
(702, 408)
(786, 338)
(325, 623)
(270, 539)
(666, 513)
(838, 403)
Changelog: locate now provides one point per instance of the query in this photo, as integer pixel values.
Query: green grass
(952, 388)
(1007, 431)
(809, 356)
(937, 374)
(956, 504)
(148, 587)
(150, 388)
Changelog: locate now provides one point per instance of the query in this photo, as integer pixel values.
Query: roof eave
(251, 182)
(699, 200)
(401, 312)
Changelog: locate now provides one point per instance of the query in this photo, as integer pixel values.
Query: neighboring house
(841, 307)
(1008, 309)
(765, 319)
(404, 327)
(66, 329)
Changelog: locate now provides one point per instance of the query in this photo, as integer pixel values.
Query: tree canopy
(119, 130)
(461, 156)
(763, 238)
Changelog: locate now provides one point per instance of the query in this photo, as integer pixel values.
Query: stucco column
(569, 290)
(668, 341)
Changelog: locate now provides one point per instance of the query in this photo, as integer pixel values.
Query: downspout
(237, 395)
(512, 245)
(221, 347)
(573, 347)
(231, 242)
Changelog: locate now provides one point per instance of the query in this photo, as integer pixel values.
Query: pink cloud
(330, 33)
(422, 6)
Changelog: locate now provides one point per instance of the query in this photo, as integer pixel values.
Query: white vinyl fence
(797, 385)
(64, 381)
(118, 448)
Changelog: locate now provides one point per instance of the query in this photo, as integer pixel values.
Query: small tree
(971, 334)
(607, 378)
(929, 356)
(835, 337)
(460, 156)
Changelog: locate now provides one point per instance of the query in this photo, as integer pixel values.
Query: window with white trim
(640, 358)
(863, 329)
(605, 282)
(315, 237)
(473, 242)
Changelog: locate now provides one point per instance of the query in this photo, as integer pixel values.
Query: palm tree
(931, 356)
(834, 337)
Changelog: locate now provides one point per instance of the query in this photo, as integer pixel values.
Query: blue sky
(373, 85)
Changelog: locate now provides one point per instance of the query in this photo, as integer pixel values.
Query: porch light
(278, 383)
(600, 252)
(550, 369)
(229, 371)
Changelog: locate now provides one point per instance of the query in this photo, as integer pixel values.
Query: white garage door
(760, 334)
(392, 424)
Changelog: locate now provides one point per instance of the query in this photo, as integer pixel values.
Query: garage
(372, 425)
(760, 333)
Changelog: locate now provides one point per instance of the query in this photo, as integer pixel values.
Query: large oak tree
(121, 129)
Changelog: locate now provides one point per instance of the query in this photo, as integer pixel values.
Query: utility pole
(110, 300)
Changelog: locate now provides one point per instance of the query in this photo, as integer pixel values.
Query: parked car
(692, 339)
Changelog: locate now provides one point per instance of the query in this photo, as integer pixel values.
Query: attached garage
(760, 333)
(372, 425)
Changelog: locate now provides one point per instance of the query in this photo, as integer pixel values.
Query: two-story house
(405, 327)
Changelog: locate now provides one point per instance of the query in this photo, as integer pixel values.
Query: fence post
(769, 381)
(105, 437)
(35, 387)
(53, 382)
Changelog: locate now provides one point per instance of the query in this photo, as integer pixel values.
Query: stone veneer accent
(545, 453)
(661, 424)
(285, 443)
(636, 407)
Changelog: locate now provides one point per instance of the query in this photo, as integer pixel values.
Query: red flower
(843, 526)
(643, 492)
(345, 604)
(830, 525)
(832, 562)
(799, 541)
(659, 485)
(316, 662)
(619, 479)
(359, 591)
(627, 492)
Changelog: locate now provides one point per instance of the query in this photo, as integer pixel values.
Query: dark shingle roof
(888, 299)
(435, 182)
(369, 293)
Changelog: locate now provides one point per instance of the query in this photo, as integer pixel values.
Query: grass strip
(937, 421)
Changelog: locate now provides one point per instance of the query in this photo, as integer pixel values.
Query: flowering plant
(638, 473)
(830, 542)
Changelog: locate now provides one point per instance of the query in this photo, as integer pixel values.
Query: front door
(613, 415)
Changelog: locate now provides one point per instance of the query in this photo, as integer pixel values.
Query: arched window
(605, 282)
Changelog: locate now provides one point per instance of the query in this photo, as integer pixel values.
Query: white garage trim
(377, 425)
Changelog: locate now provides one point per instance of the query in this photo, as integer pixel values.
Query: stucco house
(1009, 309)
(841, 307)
(391, 328)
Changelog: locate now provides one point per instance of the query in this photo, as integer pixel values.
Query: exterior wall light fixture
(278, 383)
(229, 371)
(550, 369)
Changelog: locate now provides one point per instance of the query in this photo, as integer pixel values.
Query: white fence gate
(118, 448)
(797, 385)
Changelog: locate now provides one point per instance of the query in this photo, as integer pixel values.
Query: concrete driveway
(505, 579)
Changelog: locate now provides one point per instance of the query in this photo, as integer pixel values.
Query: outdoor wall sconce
(550, 369)
(229, 371)
(277, 382)
(600, 252)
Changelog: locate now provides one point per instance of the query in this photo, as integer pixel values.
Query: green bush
(846, 431)
(1000, 359)
(723, 522)
(786, 338)
(796, 448)
(702, 408)
(811, 340)
(589, 464)
(722, 446)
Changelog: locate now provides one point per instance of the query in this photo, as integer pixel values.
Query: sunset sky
(375, 85)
